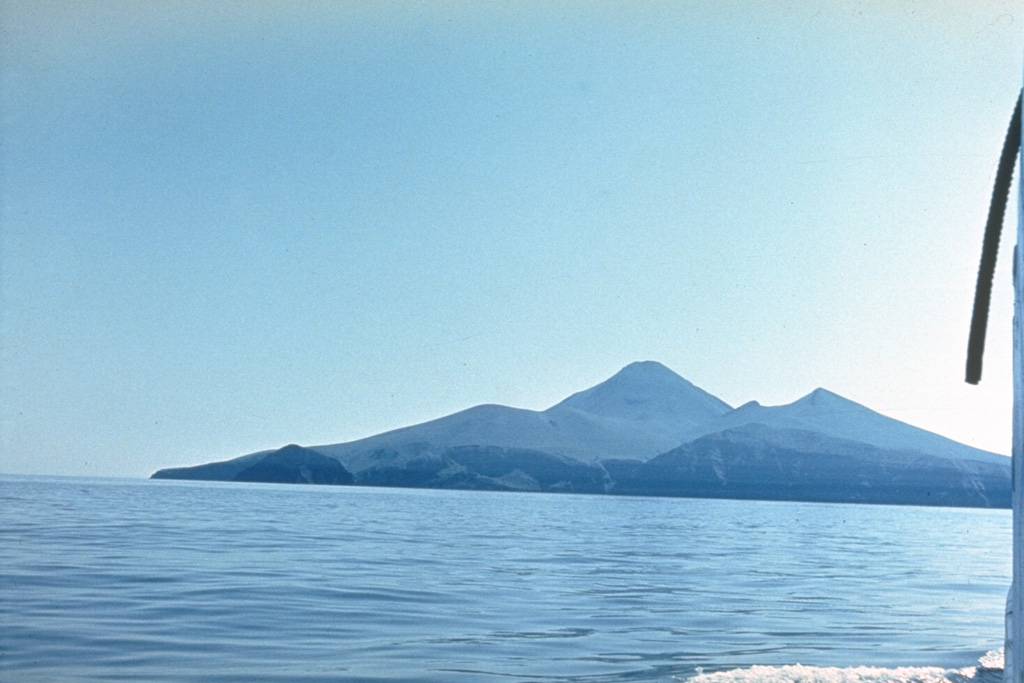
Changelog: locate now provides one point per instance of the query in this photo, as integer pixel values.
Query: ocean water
(105, 580)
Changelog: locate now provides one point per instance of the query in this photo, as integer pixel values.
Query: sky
(225, 227)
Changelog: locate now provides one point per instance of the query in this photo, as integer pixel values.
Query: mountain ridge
(614, 437)
(853, 421)
(640, 411)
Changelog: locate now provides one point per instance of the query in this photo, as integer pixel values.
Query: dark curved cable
(996, 211)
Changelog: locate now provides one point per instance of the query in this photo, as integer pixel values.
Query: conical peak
(646, 368)
(821, 394)
(646, 390)
(823, 398)
(645, 375)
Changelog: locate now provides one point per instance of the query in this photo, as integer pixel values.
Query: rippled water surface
(162, 580)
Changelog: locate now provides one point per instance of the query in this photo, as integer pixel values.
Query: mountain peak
(827, 413)
(821, 395)
(649, 392)
(824, 401)
(646, 368)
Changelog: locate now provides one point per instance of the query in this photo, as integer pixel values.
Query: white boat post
(1013, 653)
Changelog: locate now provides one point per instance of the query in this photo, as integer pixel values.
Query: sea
(140, 580)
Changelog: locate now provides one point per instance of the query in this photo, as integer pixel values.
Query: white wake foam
(989, 670)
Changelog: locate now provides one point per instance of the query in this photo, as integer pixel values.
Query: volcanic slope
(648, 431)
(643, 410)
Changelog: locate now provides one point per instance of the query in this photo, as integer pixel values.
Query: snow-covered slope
(643, 410)
(648, 396)
(829, 414)
(648, 431)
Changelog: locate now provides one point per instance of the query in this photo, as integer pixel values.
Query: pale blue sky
(230, 226)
